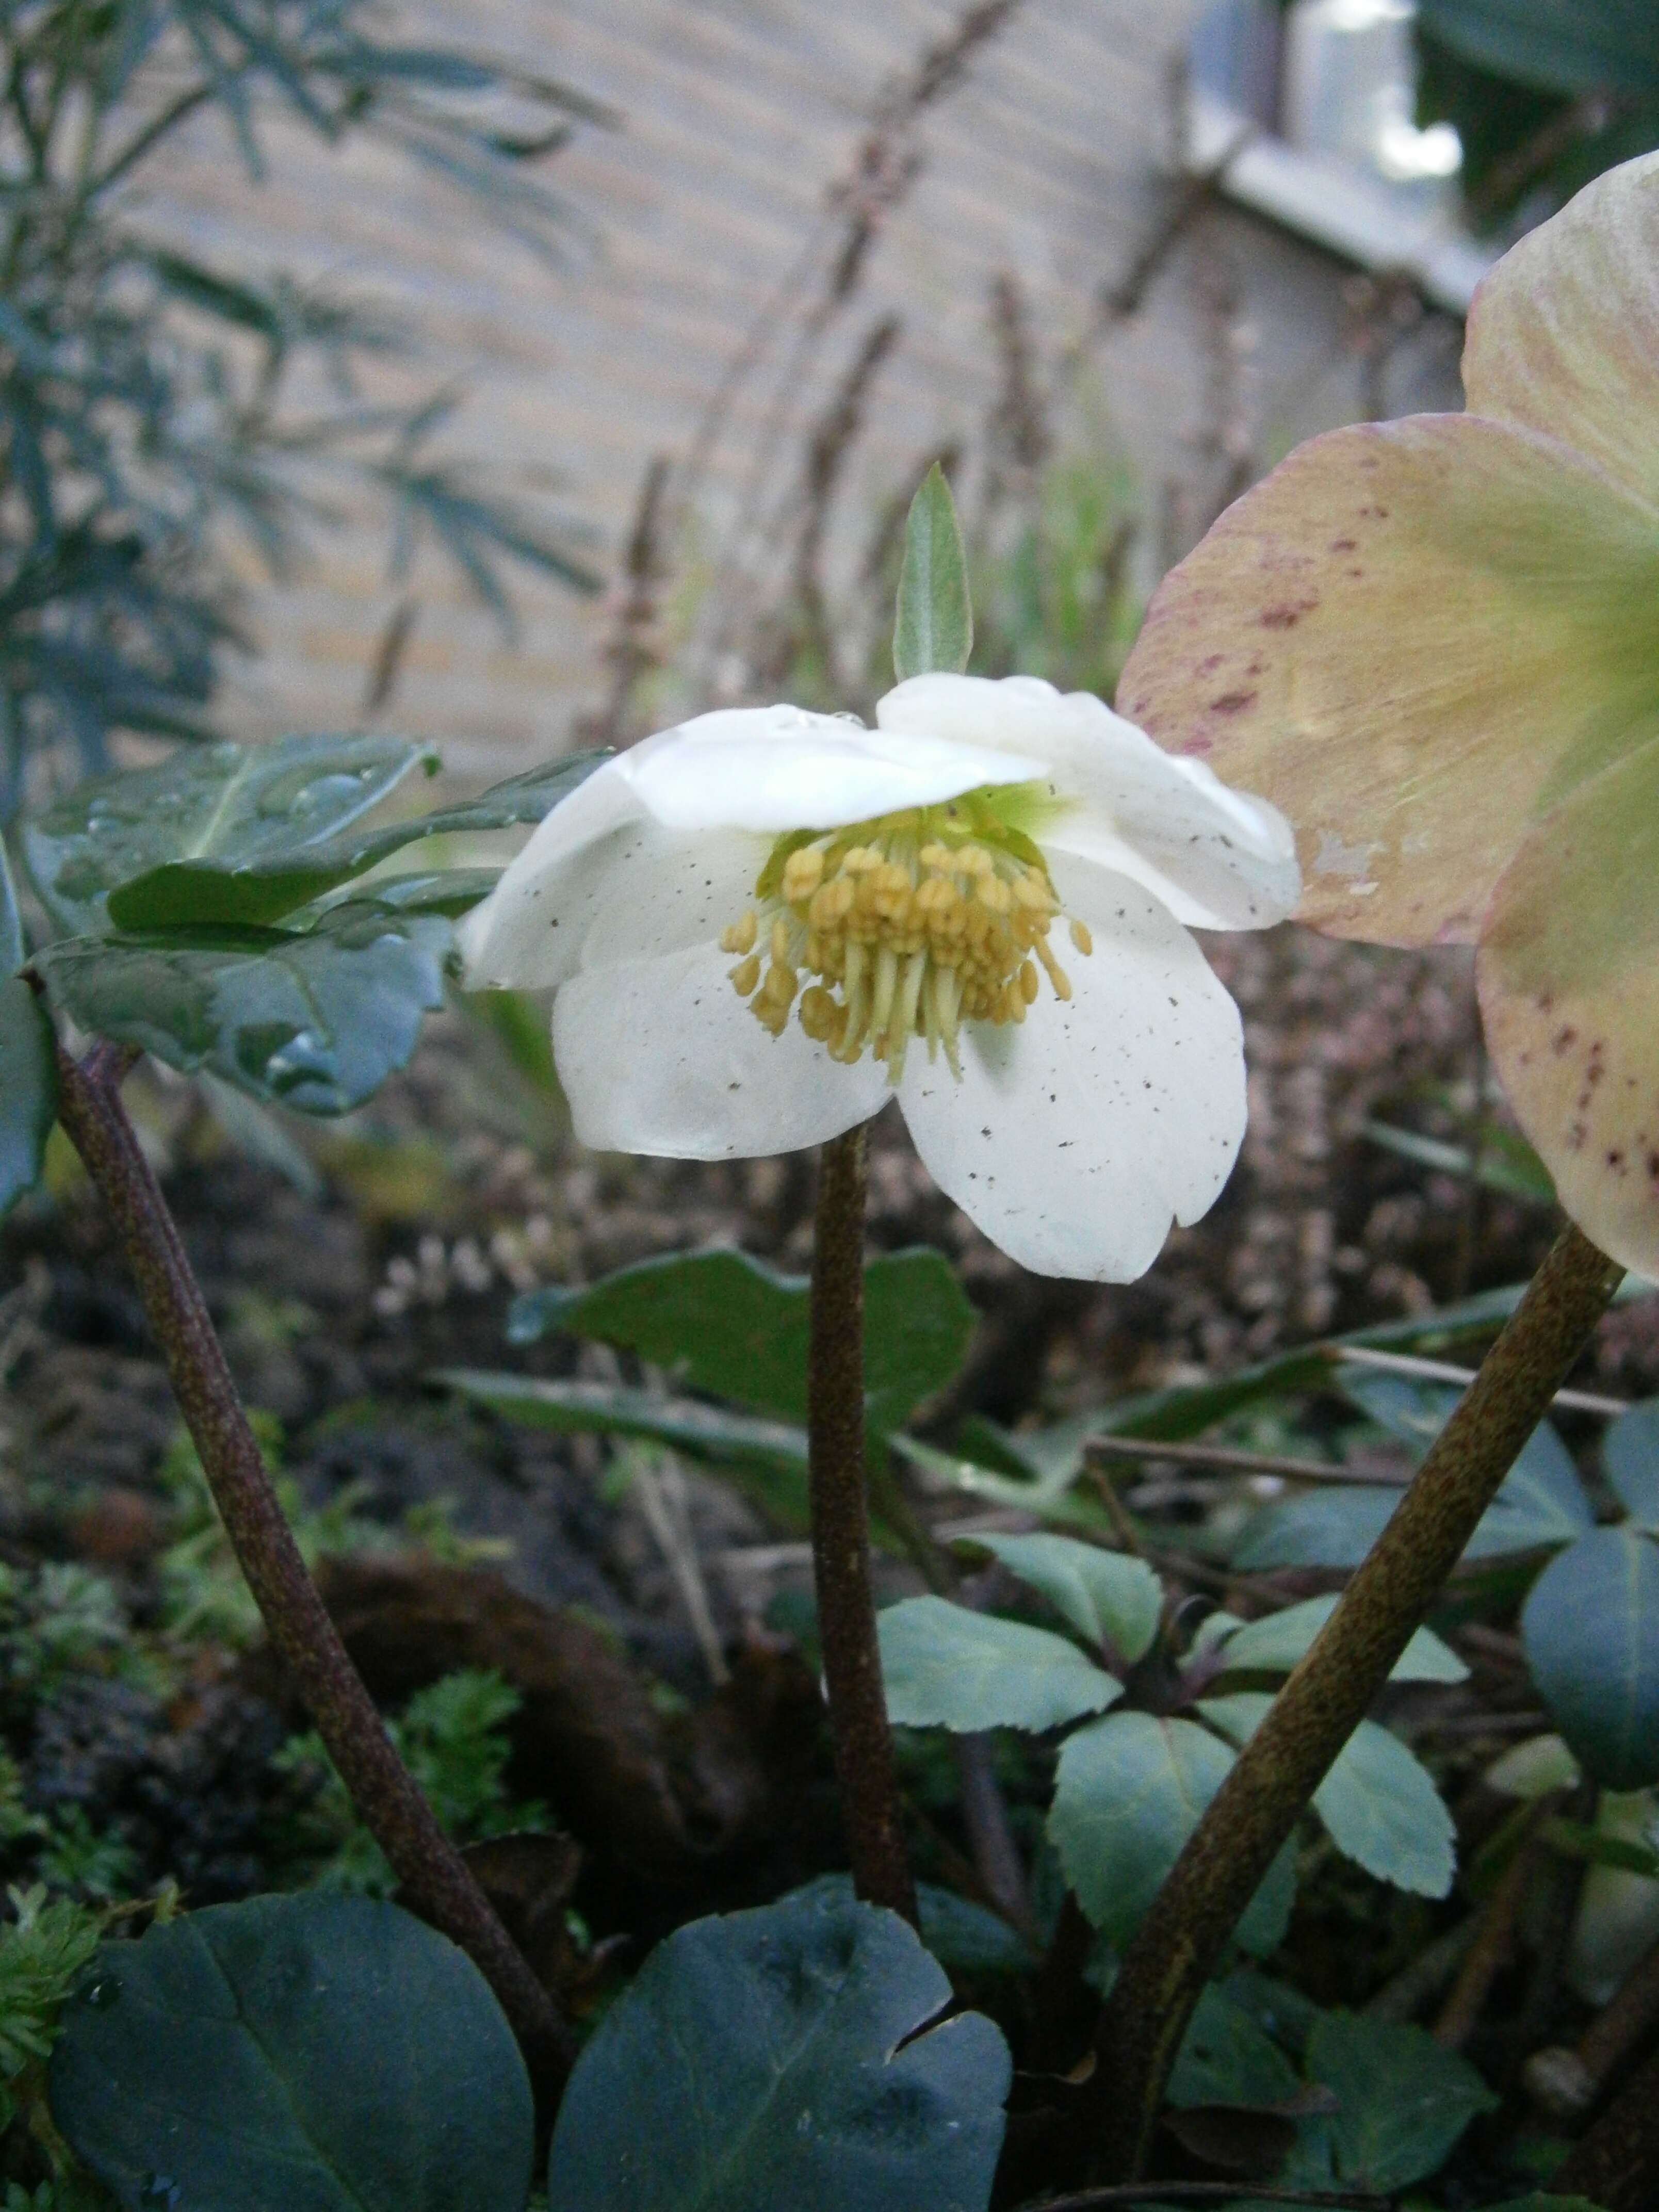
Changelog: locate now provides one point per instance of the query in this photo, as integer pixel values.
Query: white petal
(774, 769)
(1074, 1139)
(529, 931)
(1219, 859)
(666, 888)
(662, 1056)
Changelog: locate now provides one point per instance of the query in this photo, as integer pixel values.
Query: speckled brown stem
(840, 1536)
(1329, 1694)
(434, 1879)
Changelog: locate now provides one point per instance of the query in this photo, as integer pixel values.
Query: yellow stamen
(906, 927)
(1080, 937)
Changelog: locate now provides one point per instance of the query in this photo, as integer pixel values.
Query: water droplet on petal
(785, 718)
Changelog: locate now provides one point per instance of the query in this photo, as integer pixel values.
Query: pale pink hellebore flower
(1434, 643)
(764, 923)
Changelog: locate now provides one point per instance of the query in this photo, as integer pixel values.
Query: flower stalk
(1329, 1694)
(840, 1536)
(435, 1878)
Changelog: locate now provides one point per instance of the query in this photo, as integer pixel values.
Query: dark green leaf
(1228, 2057)
(944, 1667)
(772, 2058)
(706, 1433)
(1116, 1603)
(1402, 2102)
(221, 808)
(1630, 1453)
(235, 883)
(1277, 1640)
(728, 1324)
(1556, 45)
(328, 2053)
(934, 628)
(1575, 1841)
(28, 1089)
(1128, 1791)
(1379, 1806)
(315, 1022)
(957, 1932)
(1590, 1626)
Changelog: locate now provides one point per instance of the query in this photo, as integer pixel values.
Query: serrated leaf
(1116, 1603)
(933, 626)
(1630, 1456)
(1590, 1626)
(729, 1324)
(773, 2058)
(1275, 1642)
(237, 887)
(1128, 1791)
(958, 1932)
(223, 808)
(1402, 2102)
(316, 1022)
(944, 1667)
(1378, 1804)
(333, 2041)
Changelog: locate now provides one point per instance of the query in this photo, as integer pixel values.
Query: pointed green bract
(934, 628)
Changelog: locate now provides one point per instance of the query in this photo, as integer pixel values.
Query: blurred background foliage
(154, 406)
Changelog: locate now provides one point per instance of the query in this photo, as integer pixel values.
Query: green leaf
(1323, 1527)
(1128, 1791)
(772, 2057)
(1116, 1603)
(328, 2052)
(1590, 1626)
(1227, 2057)
(958, 1932)
(706, 1433)
(1275, 1644)
(245, 883)
(1379, 1806)
(1508, 1162)
(1402, 2102)
(728, 1324)
(28, 1059)
(934, 628)
(315, 1022)
(944, 1667)
(224, 807)
(1568, 46)
(1629, 1455)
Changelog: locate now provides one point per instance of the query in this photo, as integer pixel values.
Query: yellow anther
(1080, 937)
(912, 926)
(803, 872)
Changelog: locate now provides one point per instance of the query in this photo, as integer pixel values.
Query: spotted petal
(1218, 859)
(1569, 977)
(662, 1056)
(528, 933)
(1072, 1138)
(776, 768)
(1563, 334)
(1410, 638)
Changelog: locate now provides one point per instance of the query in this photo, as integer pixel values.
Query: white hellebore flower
(763, 923)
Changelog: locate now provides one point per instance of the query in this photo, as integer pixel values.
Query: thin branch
(431, 1870)
(1223, 1458)
(1329, 1693)
(840, 1536)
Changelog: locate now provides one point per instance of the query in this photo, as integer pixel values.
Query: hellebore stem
(435, 1878)
(1326, 1695)
(840, 1536)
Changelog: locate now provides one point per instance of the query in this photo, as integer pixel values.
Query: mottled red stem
(840, 1536)
(1256, 1809)
(434, 1878)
